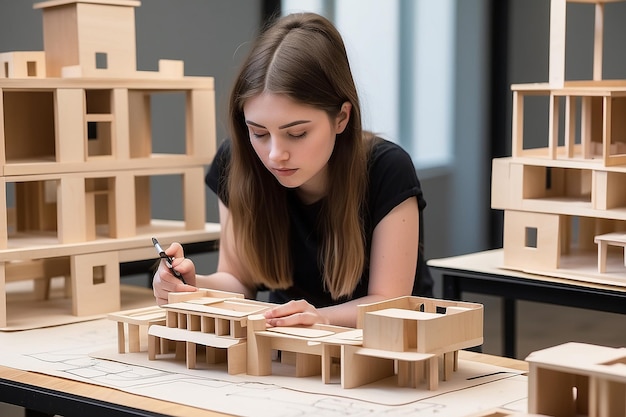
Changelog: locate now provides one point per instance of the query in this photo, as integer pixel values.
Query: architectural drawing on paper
(405, 338)
(564, 202)
(77, 157)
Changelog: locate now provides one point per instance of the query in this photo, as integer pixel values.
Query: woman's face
(294, 141)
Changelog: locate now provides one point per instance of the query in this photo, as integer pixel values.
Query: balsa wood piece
(358, 370)
(122, 205)
(72, 221)
(603, 241)
(259, 351)
(132, 322)
(201, 139)
(22, 64)
(70, 136)
(598, 41)
(120, 110)
(558, 17)
(194, 208)
(171, 68)
(95, 279)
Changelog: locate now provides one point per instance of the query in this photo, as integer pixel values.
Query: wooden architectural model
(576, 379)
(565, 202)
(77, 160)
(404, 338)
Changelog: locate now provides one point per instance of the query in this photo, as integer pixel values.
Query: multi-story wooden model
(404, 337)
(565, 202)
(77, 160)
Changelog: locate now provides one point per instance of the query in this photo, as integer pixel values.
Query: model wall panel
(29, 127)
(194, 207)
(500, 168)
(201, 135)
(95, 283)
(124, 224)
(71, 210)
(140, 130)
(121, 123)
(106, 30)
(520, 251)
(60, 34)
(70, 128)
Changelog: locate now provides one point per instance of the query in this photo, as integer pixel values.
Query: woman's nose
(278, 151)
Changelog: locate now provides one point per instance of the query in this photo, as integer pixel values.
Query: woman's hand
(164, 282)
(293, 313)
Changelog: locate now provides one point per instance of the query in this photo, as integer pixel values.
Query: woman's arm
(393, 260)
(225, 279)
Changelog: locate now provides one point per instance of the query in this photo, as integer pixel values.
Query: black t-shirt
(392, 179)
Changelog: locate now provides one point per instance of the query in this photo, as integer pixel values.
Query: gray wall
(529, 50)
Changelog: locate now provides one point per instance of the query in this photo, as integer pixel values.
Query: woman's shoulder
(218, 169)
(224, 148)
(222, 155)
(387, 153)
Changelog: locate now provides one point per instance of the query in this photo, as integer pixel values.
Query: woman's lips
(284, 172)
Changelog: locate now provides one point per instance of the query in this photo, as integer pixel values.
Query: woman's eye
(258, 135)
(298, 135)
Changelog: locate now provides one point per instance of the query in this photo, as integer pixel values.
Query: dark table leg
(451, 288)
(509, 327)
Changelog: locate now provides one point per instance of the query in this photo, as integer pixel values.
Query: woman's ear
(342, 119)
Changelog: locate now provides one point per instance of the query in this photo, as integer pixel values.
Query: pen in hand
(167, 259)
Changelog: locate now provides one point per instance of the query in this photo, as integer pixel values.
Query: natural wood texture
(23, 64)
(415, 331)
(132, 322)
(603, 241)
(217, 320)
(577, 379)
(558, 196)
(406, 336)
(76, 151)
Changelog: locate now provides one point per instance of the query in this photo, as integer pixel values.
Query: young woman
(319, 212)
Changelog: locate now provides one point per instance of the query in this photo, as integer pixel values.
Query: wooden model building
(404, 337)
(565, 202)
(77, 160)
(576, 379)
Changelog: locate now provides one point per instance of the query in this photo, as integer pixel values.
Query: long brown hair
(303, 57)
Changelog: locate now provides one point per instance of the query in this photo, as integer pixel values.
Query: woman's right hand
(165, 282)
